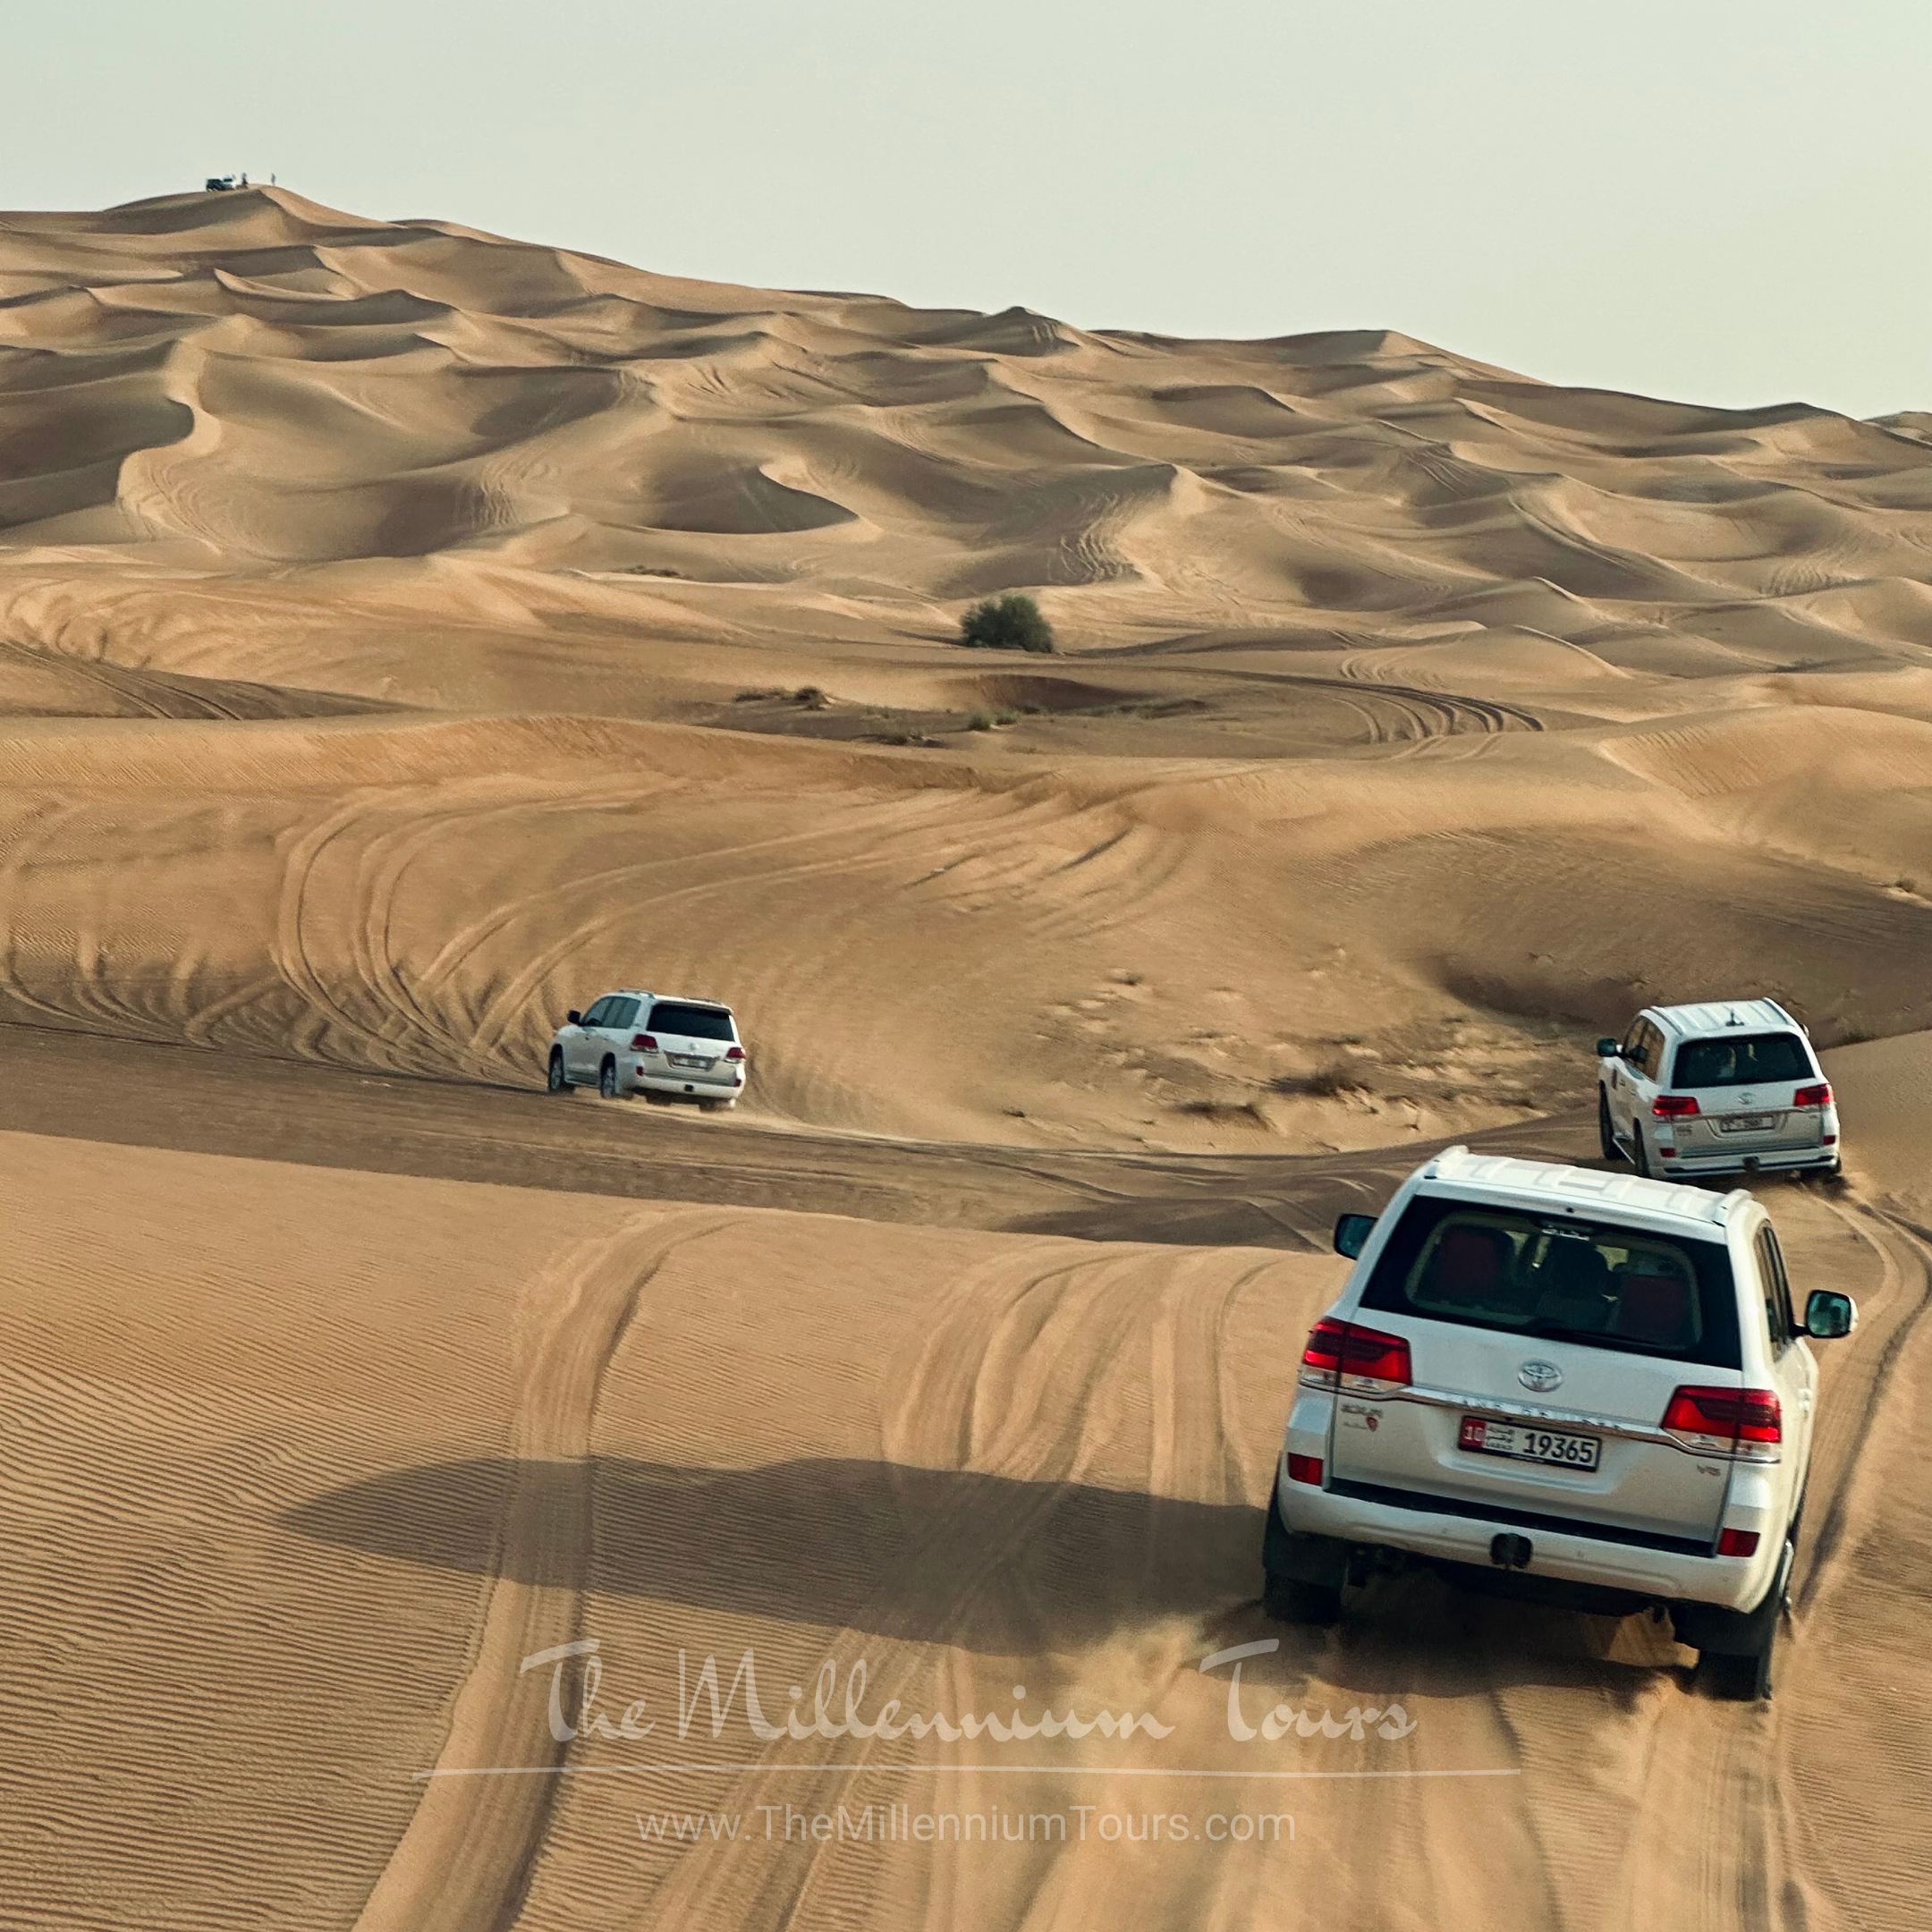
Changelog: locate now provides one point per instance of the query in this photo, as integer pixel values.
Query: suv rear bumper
(693, 1083)
(1570, 1555)
(1772, 1160)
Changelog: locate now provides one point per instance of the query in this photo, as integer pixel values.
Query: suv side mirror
(1607, 1049)
(1352, 1234)
(574, 1018)
(1828, 1315)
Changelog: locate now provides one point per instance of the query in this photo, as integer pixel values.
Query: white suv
(1585, 1388)
(1730, 1087)
(631, 1041)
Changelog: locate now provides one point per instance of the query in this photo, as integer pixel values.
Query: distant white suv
(1729, 1087)
(1585, 1388)
(632, 1041)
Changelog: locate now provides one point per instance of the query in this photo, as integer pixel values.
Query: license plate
(687, 1059)
(1530, 1444)
(1746, 1122)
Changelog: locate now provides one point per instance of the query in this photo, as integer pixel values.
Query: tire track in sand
(1720, 1817)
(1053, 1368)
(466, 1860)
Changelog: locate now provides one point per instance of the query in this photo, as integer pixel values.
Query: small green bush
(1009, 622)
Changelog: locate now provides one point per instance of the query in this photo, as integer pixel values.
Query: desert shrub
(1010, 622)
(1334, 1077)
(980, 721)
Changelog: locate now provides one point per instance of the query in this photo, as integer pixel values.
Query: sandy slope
(406, 634)
(361, 1419)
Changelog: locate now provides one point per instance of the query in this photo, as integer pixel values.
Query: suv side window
(1633, 1039)
(594, 1017)
(1651, 1053)
(1776, 1289)
(621, 1013)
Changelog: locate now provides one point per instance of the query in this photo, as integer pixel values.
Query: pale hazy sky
(1724, 200)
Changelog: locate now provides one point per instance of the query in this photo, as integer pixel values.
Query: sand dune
(407, 633)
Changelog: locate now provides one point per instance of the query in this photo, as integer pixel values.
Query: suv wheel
(1739, 1680)
(1640, 1153)
(558, 1084)
(1606, 1134)
(1308, 1597)
(607, 1080)
(1741, 1673)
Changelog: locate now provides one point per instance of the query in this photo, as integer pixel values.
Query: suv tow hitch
(1510, 1552)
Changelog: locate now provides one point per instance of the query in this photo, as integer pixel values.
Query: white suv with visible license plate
(1551, 1382)
(631, 1041)
(1728, 1087)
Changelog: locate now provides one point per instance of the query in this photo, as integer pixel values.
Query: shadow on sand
(935, 1555)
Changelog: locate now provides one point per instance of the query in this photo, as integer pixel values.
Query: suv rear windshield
(1749, 1060)
(1560, 1275)
(694, 1022)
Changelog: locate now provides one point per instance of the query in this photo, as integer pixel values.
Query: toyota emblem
(1540, 1377)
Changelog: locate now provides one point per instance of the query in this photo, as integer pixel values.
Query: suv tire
(607, 1080)
(1739, 1680)
(558, 1084)
(1640, 1153)
(1741, 1673)
(1301, 1576)
(1605, 1133)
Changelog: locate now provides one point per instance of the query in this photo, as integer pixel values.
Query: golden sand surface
(407, 634)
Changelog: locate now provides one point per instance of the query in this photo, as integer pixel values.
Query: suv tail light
(1305, 1469)
(1819, 1096)
(1346, 1354)
(734, 1053)
(1737, 1542)
(1673, 1105)
(1747, 1424)
(643, 1043)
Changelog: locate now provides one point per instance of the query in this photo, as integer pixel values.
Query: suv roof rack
(1524, 1174)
